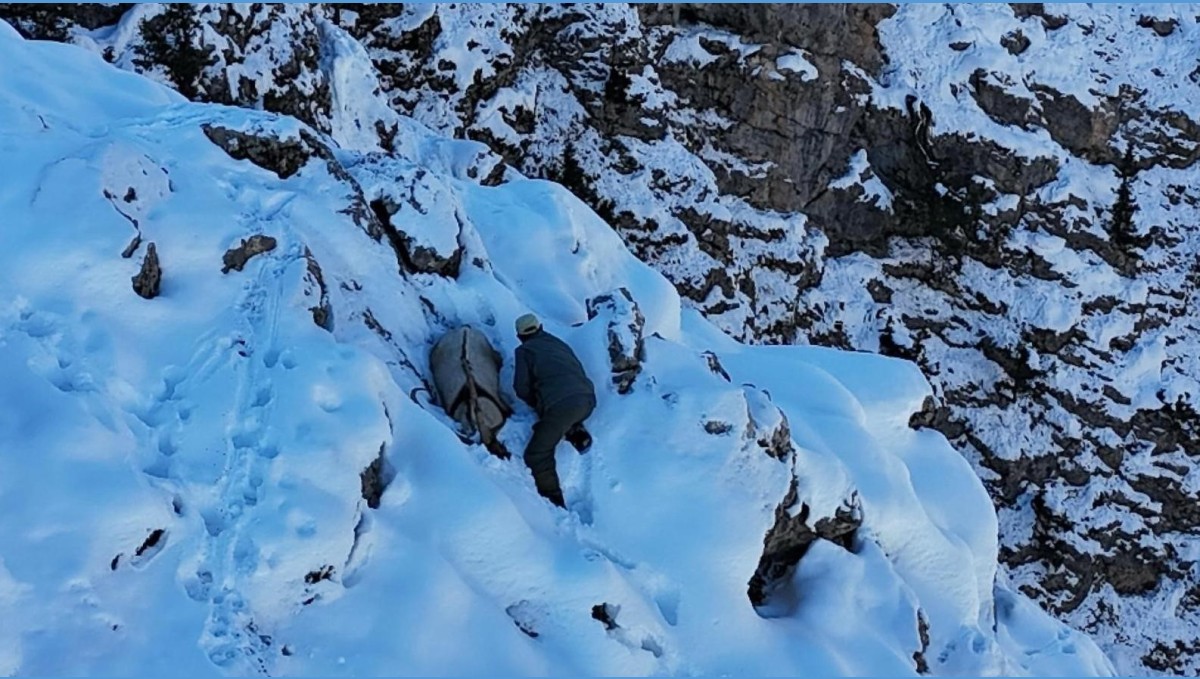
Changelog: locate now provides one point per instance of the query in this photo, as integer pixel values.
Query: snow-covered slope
(945, 189)
(191, 452)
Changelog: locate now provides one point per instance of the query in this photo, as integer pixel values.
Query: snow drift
(188, 477)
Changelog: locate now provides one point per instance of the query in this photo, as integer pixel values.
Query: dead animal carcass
(466, 373)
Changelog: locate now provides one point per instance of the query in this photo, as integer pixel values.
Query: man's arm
(523, 378)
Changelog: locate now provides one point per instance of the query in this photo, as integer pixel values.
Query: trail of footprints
(65, 366)
(231, 637)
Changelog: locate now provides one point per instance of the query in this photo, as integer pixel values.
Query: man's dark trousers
(549, 430)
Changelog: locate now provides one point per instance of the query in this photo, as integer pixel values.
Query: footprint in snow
(199, 587)
(263, 396)
(527, 616)
(634, 638)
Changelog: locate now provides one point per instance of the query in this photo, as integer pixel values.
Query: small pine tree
(1121, 230)
(169, 40)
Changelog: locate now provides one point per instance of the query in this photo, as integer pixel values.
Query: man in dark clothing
(551, 380)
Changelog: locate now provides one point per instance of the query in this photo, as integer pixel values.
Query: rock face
(260, 55)
(786, 543)
(54, 21)
(917, 181)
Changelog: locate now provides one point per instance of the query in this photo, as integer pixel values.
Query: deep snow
(221, 415)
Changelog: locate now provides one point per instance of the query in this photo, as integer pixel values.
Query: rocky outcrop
(315, 287)
(1162, 27)
(284, 157)
(235, 258)
(149, 279)
(416, 191)
(606, 614)
(786, 543)
(767, 424)
(626, 345)
(260, 55)
(919, 658)
(375, 479)
(714, 365)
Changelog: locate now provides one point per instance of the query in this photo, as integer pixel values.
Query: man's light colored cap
(528, 324)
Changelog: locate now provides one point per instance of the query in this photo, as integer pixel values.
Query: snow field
(220, 418)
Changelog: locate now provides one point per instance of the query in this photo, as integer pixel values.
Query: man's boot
(579, 438)
(549, 488)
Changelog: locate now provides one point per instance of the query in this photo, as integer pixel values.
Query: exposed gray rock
(1015, 42)
(626, 347)
(1025, 10)
(923, 633)
(1173, 657)
(235, 258)
(997, 102)
(768, 425)
(790, 538)
(1085, 131)
(133, 246)
(148, 280)
(714, 364)
(847, 30)
(375, 479)
(606, 613)
(227, 55)
(284, 157)
(717, 428)
(416, 254)
(1163, 27)
(322, 310)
